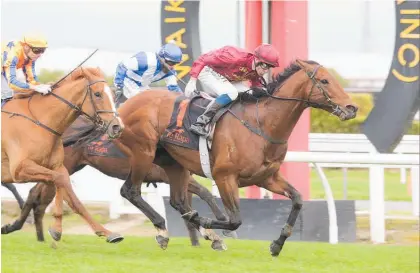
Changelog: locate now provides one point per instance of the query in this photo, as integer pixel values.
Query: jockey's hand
(42, 88)
(191, 87)
(258, 92)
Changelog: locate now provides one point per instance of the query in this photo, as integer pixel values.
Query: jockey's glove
(259, 92)
(42, 88)
(191, 87)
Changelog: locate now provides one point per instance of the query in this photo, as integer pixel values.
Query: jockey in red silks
(223, 72)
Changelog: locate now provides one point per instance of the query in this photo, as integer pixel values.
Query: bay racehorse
(248, 146)
(32, 126)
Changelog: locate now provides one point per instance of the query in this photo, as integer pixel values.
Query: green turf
(89, 254)
(357, 185)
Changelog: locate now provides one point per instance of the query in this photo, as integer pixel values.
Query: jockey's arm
(172, 84)
(10, 71)
(220, 57)
(31, 77)
(136, 63)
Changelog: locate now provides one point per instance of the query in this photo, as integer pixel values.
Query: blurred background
(355, 40)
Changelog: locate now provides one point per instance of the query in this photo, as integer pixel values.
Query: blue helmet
(171, 52)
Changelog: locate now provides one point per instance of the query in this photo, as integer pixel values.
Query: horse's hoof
(162, 241)
(54, 234)
(230, 233)
(218, 245)
(275, 249)
(114, 238)
(5, 229)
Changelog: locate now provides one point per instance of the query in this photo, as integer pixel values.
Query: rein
(308, 103)
(96, 119)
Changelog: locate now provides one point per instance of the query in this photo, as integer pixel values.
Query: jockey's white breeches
(216, 84)
(131, 88)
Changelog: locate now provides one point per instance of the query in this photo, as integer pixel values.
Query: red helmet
(267, 54)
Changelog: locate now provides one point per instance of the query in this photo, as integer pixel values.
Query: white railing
(376, 182)
(348, 150)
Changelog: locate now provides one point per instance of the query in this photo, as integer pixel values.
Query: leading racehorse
(32, 148)
(249, 141)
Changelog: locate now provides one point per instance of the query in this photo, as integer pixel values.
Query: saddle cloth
(185, 113)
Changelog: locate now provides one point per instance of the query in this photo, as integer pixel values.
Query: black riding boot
(199, 126)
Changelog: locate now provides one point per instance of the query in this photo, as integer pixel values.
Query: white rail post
(377, 204)
(415, 189)
(116, 202)
(332, 212)
(214, 189)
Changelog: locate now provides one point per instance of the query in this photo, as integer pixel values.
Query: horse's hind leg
(44, 195)
(18, 224)
(16, 194)
(132, 193)
(279, 185)
(19, 199)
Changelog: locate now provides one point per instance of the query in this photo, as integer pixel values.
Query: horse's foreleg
(132, 193)
(192, 231)
(179, 178)
(28, 170)
(207, 196)
(15, 193)
(277, 184)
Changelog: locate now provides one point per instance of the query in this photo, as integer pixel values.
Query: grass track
(89, 254)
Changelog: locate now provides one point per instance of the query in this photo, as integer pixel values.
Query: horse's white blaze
(109, 94)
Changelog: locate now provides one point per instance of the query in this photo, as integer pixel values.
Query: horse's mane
(280, 78)
(80, 72)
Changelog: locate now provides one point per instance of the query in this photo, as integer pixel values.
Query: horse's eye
(324, 81)
(98, 94)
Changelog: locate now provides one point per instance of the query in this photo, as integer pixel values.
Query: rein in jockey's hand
(259, 92)
(191, 87)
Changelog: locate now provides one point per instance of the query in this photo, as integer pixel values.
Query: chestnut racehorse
(32, 148)
(249, 141)
(75, 159)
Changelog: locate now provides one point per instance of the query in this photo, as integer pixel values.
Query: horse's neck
(53, 112)
(280, 116)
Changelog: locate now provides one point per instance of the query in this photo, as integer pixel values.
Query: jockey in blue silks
(136, 73)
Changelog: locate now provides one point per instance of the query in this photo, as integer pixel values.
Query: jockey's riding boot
(199, 127)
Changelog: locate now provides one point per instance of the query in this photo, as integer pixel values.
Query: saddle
(185, 113)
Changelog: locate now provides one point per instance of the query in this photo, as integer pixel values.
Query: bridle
(308, 103)
(95, 119)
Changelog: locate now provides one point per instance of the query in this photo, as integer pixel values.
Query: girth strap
(34, 121)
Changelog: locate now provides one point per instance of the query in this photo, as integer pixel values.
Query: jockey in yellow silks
(21, 55)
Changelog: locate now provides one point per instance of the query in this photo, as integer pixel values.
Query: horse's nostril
(352, 108)
(116, 128)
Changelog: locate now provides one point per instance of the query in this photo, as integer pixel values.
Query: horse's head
(92, 97)
(323, 91)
